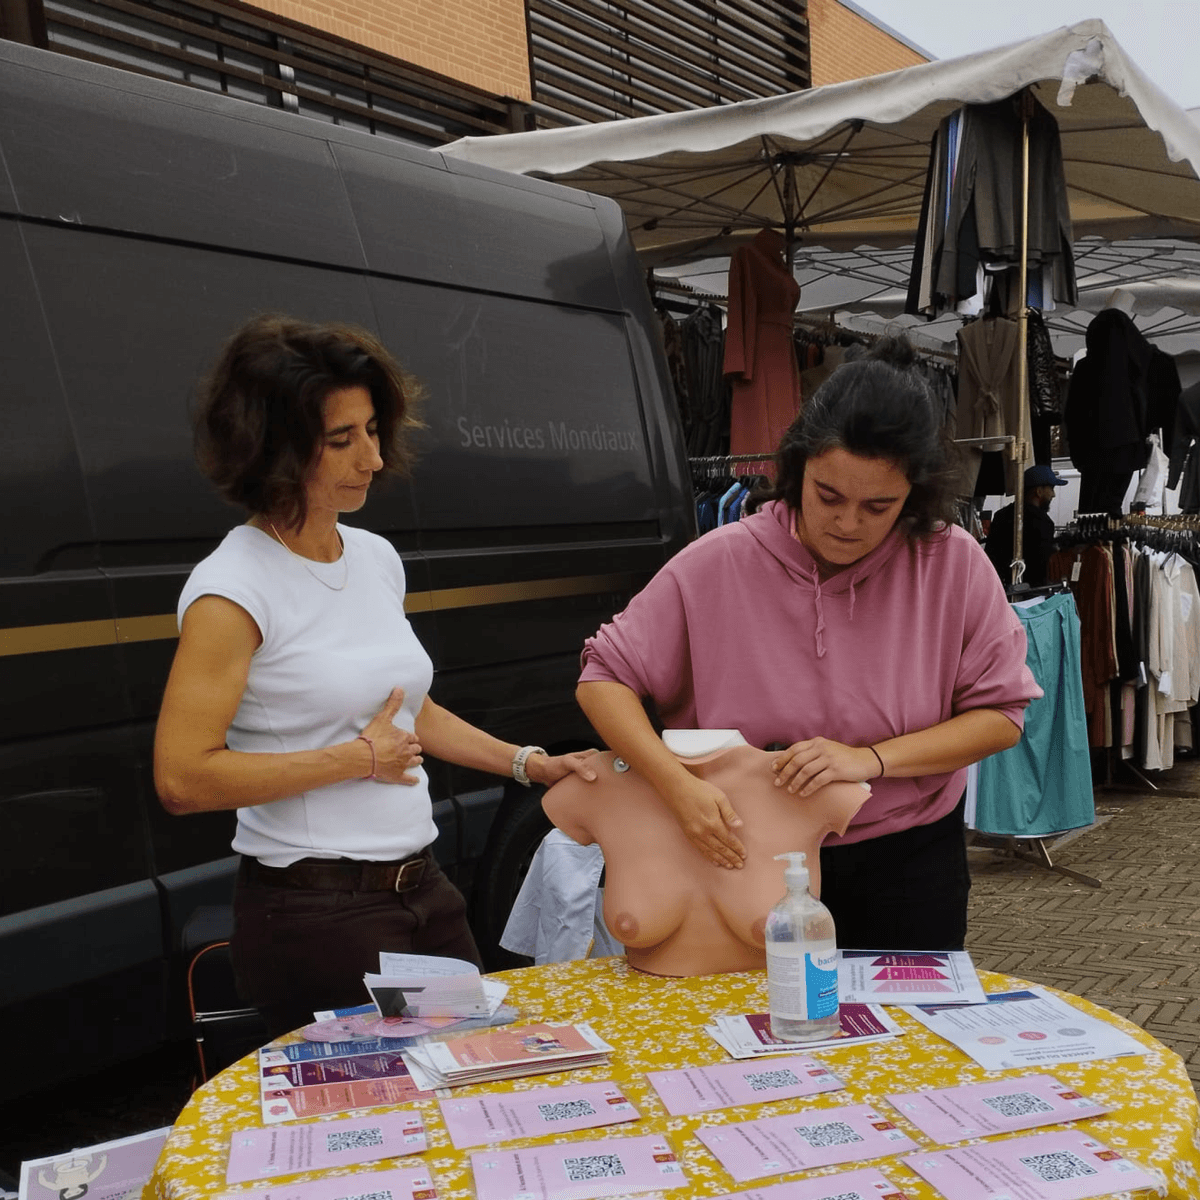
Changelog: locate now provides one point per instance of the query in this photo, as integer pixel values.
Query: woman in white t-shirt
(299, 692)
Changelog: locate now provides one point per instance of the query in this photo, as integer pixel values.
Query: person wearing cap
(1037, 540)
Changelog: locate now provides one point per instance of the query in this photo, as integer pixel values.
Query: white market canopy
(845, 165)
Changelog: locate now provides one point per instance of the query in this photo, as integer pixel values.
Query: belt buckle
(409, 875)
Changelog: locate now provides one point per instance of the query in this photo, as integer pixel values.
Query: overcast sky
(1159, 35)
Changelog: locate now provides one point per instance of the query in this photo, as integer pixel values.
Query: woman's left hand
(545, 770)
(804, 767)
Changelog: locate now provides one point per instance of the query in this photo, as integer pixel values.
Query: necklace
(324, 583)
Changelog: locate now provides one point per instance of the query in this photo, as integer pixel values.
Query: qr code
(567, 1110)
(593, 1166)
(1017, 1104)
(832, 1133)
(1054, 1168)
(353, 1139)
(764, 1081)
(368, 1196)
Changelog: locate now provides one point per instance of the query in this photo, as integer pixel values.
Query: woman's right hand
(396, 750)
(708, 819)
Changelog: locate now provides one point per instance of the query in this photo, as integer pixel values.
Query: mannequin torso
(675, 912)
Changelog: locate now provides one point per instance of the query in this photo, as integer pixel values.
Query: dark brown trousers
(297, 950)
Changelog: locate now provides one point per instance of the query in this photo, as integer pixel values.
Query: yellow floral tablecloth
(658, 1024)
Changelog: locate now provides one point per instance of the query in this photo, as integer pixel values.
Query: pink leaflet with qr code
(1043, 1166)
(263, 1153)
(614, 1166)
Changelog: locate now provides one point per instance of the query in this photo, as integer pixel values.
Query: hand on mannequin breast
(675, 912)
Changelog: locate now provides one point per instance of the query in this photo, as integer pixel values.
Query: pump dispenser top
(796, 874)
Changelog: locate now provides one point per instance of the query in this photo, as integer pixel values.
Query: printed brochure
(292, 1103)
(504, 1116)
(615, 1166)
(804, 1140)
(702, 1089)
(930, 977)
(749, 1036)
(846, 1185)
(405, 1184)
(262, 1153)
(420, 985)
(504, 1054)
(975, 1110)
(1044, 1166)
(1026, 1029)
(106, 1171)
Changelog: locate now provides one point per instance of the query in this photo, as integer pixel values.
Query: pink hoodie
(738, 632)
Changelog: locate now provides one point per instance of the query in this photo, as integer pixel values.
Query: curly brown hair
(260, 422)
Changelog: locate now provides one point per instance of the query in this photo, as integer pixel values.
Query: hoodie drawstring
(820, 619)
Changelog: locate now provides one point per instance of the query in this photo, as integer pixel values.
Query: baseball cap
(1041, 475)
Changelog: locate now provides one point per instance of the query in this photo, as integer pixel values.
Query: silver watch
(519, 760)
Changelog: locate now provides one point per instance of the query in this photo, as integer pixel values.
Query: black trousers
(902, 891)
(300, 950)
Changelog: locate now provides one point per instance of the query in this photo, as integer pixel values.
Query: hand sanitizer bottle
(802, 981)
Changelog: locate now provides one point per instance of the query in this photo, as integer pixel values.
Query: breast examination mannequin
(675, 912)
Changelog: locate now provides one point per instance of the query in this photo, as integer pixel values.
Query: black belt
(342, 874)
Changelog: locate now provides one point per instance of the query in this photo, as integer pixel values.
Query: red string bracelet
(362, 737)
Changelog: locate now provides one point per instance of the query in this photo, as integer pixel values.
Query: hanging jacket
(1107, 411)
(984, 218)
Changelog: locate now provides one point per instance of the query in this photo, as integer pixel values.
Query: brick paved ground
(1133, 945)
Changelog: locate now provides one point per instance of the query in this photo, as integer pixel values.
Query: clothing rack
(841, 333)
(1172, 533)
(727, 460)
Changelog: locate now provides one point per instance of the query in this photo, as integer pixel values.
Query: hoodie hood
(772, 527)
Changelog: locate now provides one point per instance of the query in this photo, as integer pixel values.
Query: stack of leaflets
(301, 1080)
(503, 1054)
(422, 985)
(749, 1036)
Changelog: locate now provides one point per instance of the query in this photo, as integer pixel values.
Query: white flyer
(1025, 1029)
(908, 978)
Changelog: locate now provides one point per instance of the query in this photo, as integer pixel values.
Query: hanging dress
(760, 356)
(1043, 784)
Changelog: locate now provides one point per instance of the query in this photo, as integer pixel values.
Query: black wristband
(879, 760)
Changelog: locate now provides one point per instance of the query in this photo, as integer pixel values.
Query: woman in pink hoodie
(850, 624)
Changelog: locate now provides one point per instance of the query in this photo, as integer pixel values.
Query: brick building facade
(848, 43)
(433, 70)
(482, 43)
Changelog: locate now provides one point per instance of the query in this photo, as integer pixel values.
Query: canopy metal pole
(1021, 445)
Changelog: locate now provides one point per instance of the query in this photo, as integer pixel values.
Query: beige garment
(674, 911)
(987, 393)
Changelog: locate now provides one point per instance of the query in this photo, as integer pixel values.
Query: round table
(656, 1024)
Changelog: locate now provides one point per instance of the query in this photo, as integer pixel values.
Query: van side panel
(475, 234)
(103, 149)
(140, 224)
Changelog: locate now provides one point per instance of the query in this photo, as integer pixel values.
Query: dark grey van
(140, 223)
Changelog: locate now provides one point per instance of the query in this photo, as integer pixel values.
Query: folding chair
(224, 1028)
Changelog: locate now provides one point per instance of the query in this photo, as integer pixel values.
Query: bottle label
(802, 987)
(821, 984)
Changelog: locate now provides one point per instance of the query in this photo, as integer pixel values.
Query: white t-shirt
(327, 662)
